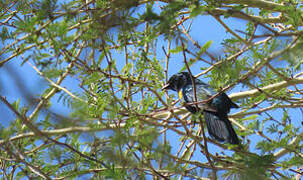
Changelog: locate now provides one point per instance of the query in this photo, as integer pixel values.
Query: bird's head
(177, 81)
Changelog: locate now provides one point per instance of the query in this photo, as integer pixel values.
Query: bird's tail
(220, 128)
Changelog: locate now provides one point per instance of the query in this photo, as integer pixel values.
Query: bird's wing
(220, 128)
(202, 93)
(223, 104)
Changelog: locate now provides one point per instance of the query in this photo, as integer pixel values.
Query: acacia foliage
(106, 61)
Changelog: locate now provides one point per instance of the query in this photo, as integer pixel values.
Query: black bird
(215, 111)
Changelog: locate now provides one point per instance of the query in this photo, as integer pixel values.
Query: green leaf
(190, 63)
(176, 50)
(196, 10)
(202, 50)
(205, 47)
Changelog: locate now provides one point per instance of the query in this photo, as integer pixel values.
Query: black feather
(220, 128)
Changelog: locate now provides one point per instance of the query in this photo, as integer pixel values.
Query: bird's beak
(166, 86)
